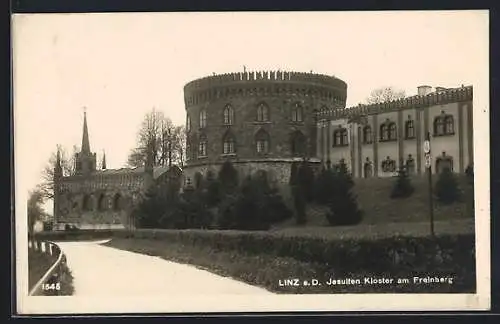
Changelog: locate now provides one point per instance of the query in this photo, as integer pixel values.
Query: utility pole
(428, 165)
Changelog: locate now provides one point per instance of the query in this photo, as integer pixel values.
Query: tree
(447, 190)
(342, 202)
(159, 137)
(68, 168)
(324, 186)
(228, 178)
(384, 94)
(403, 187)
(254, 206)
(302, 185)
(35, 210)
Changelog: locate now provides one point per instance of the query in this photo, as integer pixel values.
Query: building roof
(157, 171)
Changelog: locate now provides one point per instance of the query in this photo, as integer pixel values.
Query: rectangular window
(202, 149)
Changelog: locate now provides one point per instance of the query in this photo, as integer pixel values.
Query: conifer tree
(343, 203)
(447, 190)
(403, 187)
(228, 177)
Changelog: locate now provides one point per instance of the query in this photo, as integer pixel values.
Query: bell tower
(85, 159)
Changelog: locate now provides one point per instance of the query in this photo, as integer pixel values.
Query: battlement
(264, 82)
(220, 79)
(418, 101)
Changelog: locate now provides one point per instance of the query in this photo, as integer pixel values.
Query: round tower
(260, 121)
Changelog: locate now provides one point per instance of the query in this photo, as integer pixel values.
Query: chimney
(424, 90)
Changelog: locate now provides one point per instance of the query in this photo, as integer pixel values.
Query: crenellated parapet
(265, 83)
(419, 101)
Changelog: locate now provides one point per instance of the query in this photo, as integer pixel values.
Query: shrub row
(398, 256)
(263, 259)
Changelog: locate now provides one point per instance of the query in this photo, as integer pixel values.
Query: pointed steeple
(104, 160)
(85, 138)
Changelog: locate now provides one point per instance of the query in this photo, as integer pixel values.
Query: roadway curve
(104, 271)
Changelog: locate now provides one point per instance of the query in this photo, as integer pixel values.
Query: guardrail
(50, 248)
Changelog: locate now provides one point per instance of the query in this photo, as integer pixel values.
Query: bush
(302, 185)
(403, 187)
(228, 178)
(447, 191)
(387, 257)
(324, 186)
(342, 202)
(255, 206)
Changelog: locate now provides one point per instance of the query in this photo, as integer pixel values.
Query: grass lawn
(38, 264)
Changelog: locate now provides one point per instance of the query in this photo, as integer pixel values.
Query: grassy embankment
(39, 263)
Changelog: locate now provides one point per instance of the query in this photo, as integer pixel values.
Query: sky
(122, 65)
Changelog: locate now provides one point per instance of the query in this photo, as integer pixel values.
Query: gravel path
(103, 271)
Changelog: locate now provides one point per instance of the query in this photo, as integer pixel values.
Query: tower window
(228, 144)
(203, 119)
(297, 113)
(262, 113)
(228, 115)
(202, 146)
(262, 141)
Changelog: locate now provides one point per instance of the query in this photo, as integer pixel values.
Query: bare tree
(35, 211)
(68, 168)
(159, 137)
(385, 94)
(180, 145)
(136, 158)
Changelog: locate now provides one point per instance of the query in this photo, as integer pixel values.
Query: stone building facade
(92, 198)
(376, 140)
(265, 121)
(260, 121)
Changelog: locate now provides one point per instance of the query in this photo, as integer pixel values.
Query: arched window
(388, 131)
(449, 126)
(101, 205)
(228, 115)
(409, 129)
(228, 144)
(444, 162)
(298, 143)
(188, 150)
(367, 135)
(188, 123)
(203, 118)
(262, 141)
(117, 202)
(340, 137)
(388, 165)
(439, 126)
(368, 168)
(392, 132)
(202, 146)
(297, 113)
(262, 113)
(410, 165)
(383, 132)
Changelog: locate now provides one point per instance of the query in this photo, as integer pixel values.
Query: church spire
(85, 138)
(103, 160)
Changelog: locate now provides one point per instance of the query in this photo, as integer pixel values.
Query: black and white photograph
(251, 161)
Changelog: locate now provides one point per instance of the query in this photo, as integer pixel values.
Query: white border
(344, 302)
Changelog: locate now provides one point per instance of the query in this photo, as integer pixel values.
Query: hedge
(397, 256)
